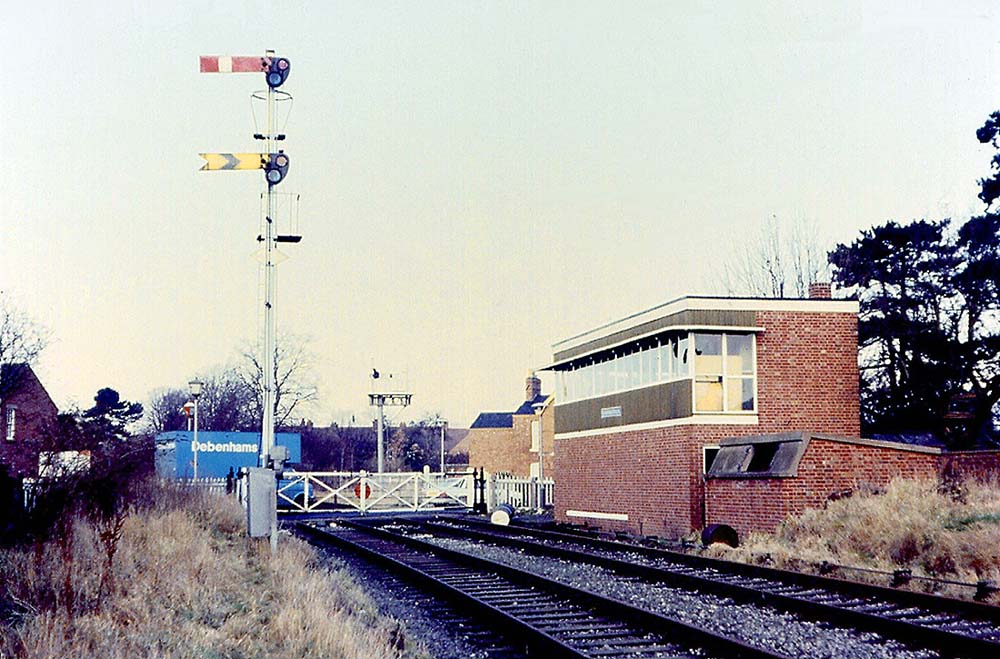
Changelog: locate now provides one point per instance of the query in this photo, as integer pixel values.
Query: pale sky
(478, 180)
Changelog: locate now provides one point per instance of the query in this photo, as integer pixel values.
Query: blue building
(217, 452)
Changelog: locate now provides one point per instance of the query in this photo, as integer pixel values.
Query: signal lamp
(276, 168)
(277, 72)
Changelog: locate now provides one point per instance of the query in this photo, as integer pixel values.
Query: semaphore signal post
(275, 164)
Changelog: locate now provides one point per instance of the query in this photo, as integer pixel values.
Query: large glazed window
(721, 367)
(724, 372)
(739, 373)
(708, 392)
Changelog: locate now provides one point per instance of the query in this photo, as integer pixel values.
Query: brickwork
(34, 413)
(653, 476)
(508, 450)
(983, 465)
(807, 373)
(827, 469)
(493, 448)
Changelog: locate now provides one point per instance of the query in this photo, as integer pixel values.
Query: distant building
(510, 442)
(26, 413)
(217, 452)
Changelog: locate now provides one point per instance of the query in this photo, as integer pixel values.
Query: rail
(952, 627)
(551, 618)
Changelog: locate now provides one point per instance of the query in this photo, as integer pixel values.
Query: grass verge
(944, 531)
(185, 582)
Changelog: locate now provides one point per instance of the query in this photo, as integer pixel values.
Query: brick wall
(508, 450)
(827, 468)
(653, 476)
(983, 465)
(35, 413)
(491, 448)
(807, 372)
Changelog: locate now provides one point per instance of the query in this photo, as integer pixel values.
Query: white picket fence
(521, 493)
(210, 485)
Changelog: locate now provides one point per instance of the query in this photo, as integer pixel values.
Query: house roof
(494, 420)
(528, 406)
(15, 378)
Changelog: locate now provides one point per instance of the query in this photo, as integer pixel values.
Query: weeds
(184, 582)
(948, 532)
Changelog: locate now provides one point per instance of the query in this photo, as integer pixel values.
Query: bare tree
(295, 384)
(22, 339)
(778, 261)
(164, 411)
(226, 402)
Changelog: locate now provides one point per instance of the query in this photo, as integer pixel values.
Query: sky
(477, 180)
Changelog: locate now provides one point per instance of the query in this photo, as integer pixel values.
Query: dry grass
(187, 583)
(945, 532)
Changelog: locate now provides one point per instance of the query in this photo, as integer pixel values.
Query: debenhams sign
(222, 447)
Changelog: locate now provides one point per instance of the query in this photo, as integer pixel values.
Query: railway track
(550, 618)
(951, 627)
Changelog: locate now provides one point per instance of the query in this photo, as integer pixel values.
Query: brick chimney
(532, 386)
(820, 291)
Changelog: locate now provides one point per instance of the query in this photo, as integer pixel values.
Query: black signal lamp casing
(276, 168)
(277, 72)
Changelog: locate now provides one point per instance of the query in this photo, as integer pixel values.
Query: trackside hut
(642, 403)
(217, 452)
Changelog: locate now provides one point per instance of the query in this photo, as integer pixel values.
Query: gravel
(762, 627)
(431, 625)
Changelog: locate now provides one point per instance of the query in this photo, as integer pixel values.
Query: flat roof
(704, 302)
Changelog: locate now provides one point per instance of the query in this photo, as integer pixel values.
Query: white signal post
(267, 422)
(274, 163)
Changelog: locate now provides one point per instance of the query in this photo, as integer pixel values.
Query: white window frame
(533, 469)
(10, 423)
(704, 455)
(725, 390)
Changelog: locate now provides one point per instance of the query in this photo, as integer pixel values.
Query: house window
(11, 423)
(536, 435)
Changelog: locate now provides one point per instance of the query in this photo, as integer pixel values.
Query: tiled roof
(493, 420)
(527, 407)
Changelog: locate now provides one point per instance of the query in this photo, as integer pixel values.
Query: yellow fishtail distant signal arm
(233, 161)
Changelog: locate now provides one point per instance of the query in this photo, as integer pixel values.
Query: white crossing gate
(333, 491)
